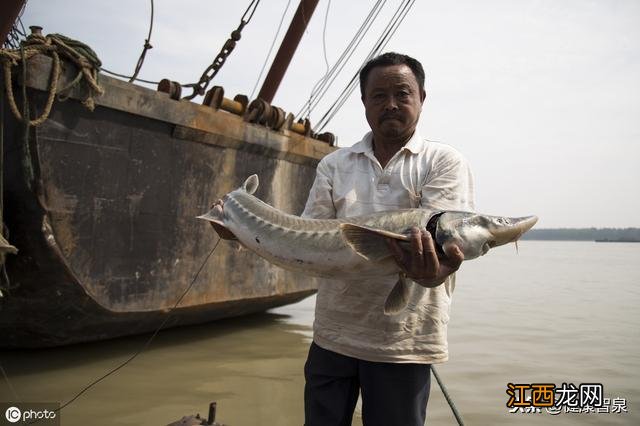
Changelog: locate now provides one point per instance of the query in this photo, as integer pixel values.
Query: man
(356, 348)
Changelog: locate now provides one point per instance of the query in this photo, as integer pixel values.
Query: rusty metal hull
(102, 208)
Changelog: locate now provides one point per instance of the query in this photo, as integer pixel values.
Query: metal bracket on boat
(327, 137)
(197, 420)
(173, 88)
(215, 99)
(302, 126)
(260, 111)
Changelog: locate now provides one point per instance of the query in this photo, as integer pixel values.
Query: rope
(444, 390)
(26, 157)
(1, 162)
(55, 74)
(53, 45)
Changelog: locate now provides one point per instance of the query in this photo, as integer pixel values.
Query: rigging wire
(17, 31)
(6, 378)
(324, 35)
(147, 46)
(396, 20)
(326, 60)
(102, 69)
(251, 9)
(246, 18)
(319, 93)
(321, 87)
(141, 59)
(273, 43)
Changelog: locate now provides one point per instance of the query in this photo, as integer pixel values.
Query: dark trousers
(392, 394)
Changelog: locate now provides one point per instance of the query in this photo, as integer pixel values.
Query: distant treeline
(584, 234)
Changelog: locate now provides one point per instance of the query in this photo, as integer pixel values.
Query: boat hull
(102, 207)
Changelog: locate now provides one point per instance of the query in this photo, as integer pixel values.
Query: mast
(287, 49)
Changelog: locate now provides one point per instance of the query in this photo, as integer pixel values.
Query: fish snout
(507, 230)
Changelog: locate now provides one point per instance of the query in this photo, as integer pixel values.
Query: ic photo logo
(13, 414)
(42, 413)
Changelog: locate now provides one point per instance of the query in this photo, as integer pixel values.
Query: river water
(556, 312)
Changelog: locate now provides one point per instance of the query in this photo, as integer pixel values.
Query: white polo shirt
(349, 317)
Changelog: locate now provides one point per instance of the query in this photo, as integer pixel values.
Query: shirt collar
(415, 144)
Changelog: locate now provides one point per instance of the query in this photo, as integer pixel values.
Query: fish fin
(214, 217)
(251, 184)
(369, 242)
(398, 299)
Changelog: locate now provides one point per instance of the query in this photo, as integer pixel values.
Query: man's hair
(392, 58)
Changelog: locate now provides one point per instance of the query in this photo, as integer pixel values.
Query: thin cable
(324, 37)
(147, 46)
(273, 43)
(456, 413)
(6, 378)
(326, 60)
(253, 3)
(127, 76)
(394, 23)
(148, 342)
(12, 39)
(321, 87)
(320, 92)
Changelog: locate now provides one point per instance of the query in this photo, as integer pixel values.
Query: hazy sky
(542, 97)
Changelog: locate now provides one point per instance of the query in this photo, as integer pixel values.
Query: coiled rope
(54, 45)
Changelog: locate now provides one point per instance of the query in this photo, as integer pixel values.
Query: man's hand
(223, 232)
(422, 264)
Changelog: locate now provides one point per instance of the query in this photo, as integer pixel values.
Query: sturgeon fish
(354, 247)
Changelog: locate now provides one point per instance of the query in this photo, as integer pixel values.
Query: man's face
(392, 102)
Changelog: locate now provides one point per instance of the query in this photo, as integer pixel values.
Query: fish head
(476, 233)
(217, 216)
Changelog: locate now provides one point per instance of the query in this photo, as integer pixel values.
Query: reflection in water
(558, 312)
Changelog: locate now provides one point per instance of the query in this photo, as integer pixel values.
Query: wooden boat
(101, 206)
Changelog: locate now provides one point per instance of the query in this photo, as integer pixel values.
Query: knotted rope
(54, 45)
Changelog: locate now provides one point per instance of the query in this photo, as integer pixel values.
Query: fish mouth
(510, 230)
